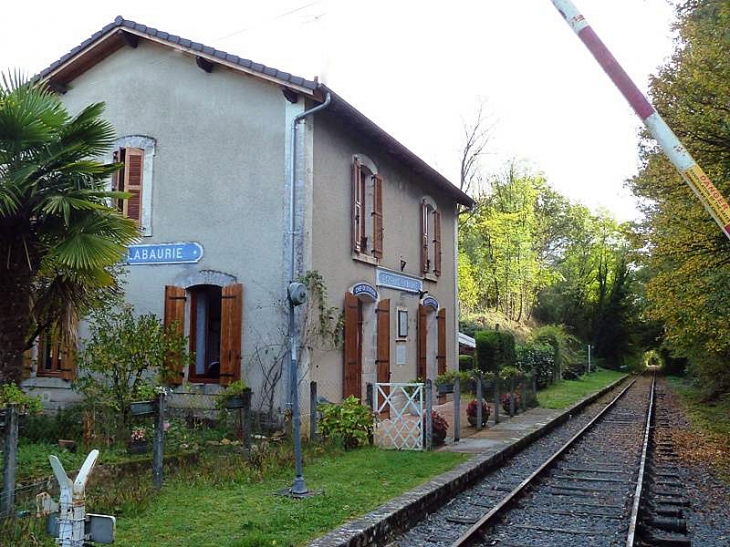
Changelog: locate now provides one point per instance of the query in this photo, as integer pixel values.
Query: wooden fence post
(313, 411)
(523, 392)
(497, 402)
(512, 397)
(158, 449)
(10, 459)
(457, 410)
(479, 402)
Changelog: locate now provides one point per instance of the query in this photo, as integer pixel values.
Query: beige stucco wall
(219, 179)
(334, 147)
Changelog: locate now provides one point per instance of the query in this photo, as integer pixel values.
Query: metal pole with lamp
(296, 296)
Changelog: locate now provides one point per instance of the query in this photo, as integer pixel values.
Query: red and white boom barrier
(691, 172)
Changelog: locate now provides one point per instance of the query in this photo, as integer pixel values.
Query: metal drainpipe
(298, 487)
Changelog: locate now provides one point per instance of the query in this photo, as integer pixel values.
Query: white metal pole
(682, 160)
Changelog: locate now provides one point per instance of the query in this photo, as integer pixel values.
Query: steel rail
(470, 535)
(631, 538)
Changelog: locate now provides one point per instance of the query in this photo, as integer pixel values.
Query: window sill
(431, 277)
(367, 259)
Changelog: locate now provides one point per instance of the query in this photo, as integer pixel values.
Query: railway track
(586, 491)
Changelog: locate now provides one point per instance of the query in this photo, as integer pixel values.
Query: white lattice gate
(399, 411)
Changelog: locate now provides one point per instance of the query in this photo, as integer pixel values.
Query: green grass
(247, 514)
(712, 416)
(565, 393)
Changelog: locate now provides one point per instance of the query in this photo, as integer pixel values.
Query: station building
(206, 142)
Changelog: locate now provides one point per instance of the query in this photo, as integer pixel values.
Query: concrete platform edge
(378, 526)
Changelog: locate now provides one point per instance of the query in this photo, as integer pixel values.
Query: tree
(123, 352)
(689, 258)
(59, 238)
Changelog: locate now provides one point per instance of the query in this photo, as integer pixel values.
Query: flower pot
(142, 408)
(443, 389)
(138, 448)
(473, 420)
(239, 401)
(438, 436)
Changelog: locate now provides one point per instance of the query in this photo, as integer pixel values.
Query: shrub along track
(582, 496)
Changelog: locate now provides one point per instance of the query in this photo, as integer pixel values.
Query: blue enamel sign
(365, 288)
(393, 280)
(431, 302)
(164, 253)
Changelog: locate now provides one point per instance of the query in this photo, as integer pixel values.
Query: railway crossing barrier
(67, 520)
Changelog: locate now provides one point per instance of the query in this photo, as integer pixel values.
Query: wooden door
(352, 374)
(383, 361)
(421, 371)
(441, 350)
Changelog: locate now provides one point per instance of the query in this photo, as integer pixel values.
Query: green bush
(563, 345)
(349, 422)
(66, 423)
(122, 354)
(12, 394)
(495, 349)
(466, 362)
(538, 359)
(450, 376)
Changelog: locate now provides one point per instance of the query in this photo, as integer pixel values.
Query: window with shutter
(437, 243)
(56, 357)
(129, 179)
(430, 239)
(367, 211)
(230, 341)
(174, 319)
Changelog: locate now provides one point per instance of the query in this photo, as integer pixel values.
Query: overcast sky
(419, 68)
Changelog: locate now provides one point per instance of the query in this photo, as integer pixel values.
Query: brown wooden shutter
(67, 356)
(27, 364)
(424, 238)
(174, 319)
(352, 355)
(383, 362)
(231, 322)
(422, 342)
(441, 351)
(378, 216)
(357, 205)
(133, 169)
(437, 242)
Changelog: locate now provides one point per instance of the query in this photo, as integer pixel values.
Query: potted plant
(144, 403)
(504, 400)
(236, 395)
(445, 382)
(138, 441)
(439, 428)
(471, 412)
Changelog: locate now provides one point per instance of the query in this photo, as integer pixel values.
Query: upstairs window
(367, 210)
(129, 179)
(430, 238)
(136, 153)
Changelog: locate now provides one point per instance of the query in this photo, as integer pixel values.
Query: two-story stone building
(205, 138)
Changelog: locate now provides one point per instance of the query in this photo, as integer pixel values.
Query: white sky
(418, 68)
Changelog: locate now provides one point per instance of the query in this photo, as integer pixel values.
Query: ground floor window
(205, 331)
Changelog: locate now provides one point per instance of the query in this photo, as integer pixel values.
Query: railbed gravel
(708, 514)
(444, 526)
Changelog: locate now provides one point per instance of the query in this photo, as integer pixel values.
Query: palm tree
(59, 236)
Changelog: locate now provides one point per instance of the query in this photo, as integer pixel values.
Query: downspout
(298, 489)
